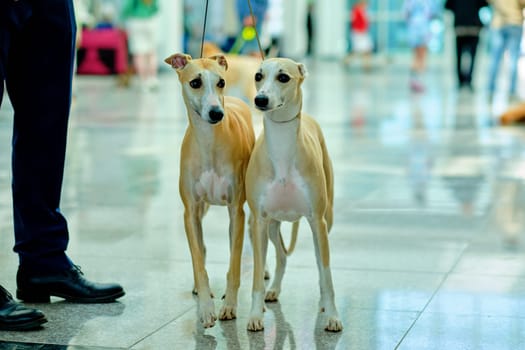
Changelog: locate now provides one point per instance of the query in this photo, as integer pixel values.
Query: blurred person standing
(37, 46)
(467, 26)
(418, 15)
(506, 32)
(259, 8)
(273, 28)
(222, 24)
(230, 23)
(142, 25)
(310, 28)
(360, 32)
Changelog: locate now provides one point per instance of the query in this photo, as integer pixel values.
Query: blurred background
(421, 104)
(181, 23)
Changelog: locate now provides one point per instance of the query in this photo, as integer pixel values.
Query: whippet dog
(289, 176)
(214, 156)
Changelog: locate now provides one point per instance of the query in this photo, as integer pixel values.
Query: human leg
(38, 81)
(140, 62)
(514, 43)
(468, 49)
(418, 68)
(152, 70)
(497, 48)
(421, 58)
(471, 48)
(13, 316)
(459, 54)
(41, 100)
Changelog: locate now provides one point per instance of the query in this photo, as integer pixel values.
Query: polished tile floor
(427, 248)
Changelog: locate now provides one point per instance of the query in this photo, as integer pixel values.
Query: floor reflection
(427, 247)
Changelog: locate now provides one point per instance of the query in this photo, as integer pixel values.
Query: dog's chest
(213, 188)
(285, 198)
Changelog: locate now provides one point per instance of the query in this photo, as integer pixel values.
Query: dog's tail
(295, 228)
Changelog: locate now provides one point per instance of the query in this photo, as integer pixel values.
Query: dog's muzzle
(216, 115)
(261, 101)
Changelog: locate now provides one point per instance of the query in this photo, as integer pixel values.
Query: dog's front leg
(192, 222)
(274, 231)
(322, 252)
(259, 238)
(229, 307)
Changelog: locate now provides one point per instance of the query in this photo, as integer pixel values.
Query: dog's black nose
(216, 115)
(261, 101)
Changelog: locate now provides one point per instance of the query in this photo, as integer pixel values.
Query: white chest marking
(286, 199)
(213, 188)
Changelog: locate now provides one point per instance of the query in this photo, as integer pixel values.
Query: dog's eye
(221, 83)
(196, 83)
(283, 78)
(258, 76)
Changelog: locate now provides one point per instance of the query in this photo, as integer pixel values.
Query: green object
(139, 8)
(247, 34)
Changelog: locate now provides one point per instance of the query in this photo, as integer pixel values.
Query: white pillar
(330, 21)
(171, 28)
(294, 28)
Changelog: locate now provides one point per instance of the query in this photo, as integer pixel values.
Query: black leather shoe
(69, 284)
(15, 316)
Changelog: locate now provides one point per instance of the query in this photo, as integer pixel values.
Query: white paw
(207, 315)
(255, 324)
(228, 312)
(271, 295)
(333, 325)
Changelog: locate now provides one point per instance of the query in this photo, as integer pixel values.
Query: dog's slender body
(214, 156)
(289, 176)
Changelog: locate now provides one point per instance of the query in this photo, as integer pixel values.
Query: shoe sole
(46, 298)
(99, 300)
(27, 326)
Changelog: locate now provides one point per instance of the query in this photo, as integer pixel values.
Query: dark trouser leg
(471, 45)
(459, 54)
(39, 73)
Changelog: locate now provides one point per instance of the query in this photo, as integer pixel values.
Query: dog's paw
(333, 325)
(271, 295)
(207, 315)
(227, 312)
(208, 320)
(255, 324)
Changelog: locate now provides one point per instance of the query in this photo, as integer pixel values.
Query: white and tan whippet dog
(214, 157)
(289, 176)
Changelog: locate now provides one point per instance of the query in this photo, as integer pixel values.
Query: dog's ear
(178, 60)
(221, 60)
(302, 70)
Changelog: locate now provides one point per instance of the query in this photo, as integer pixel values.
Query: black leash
(204, 27)
(255, 28)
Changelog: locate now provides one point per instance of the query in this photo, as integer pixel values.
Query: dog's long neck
(281, 137)
(204, 137)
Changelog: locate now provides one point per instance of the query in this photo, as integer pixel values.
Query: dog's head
(202, 83)
(278, 83)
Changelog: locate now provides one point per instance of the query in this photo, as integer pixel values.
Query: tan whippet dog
(214, 156)
(289, 176)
